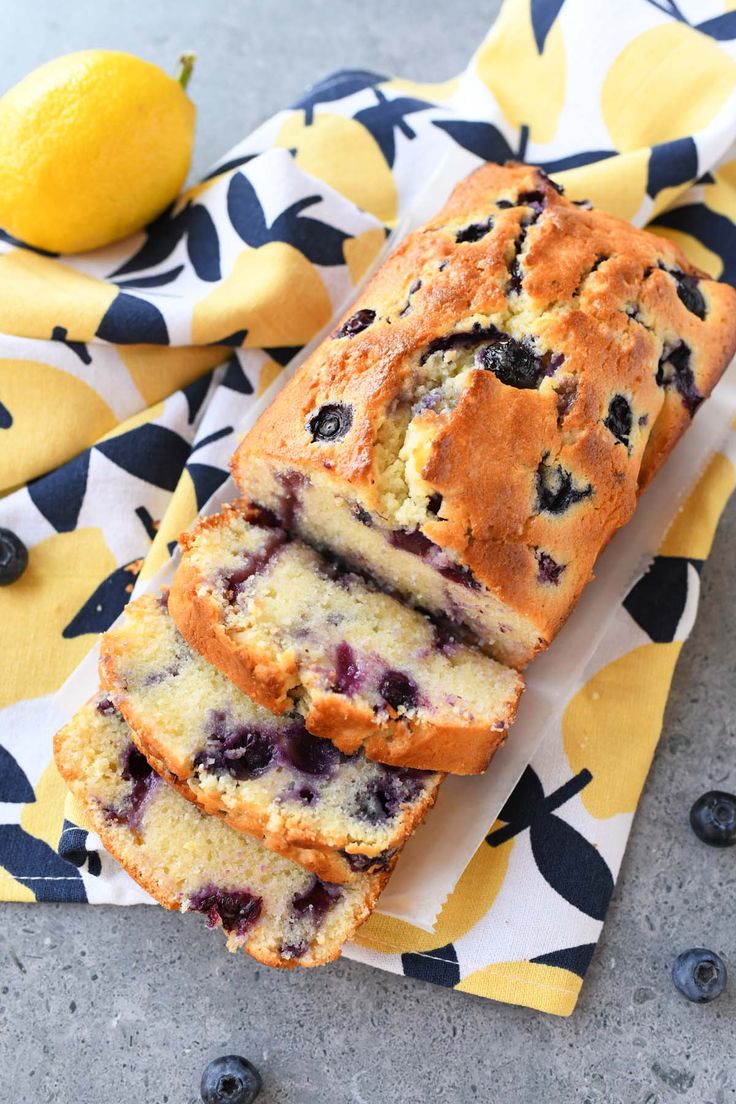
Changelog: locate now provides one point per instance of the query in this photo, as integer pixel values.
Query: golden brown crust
(132, 859)
(604, 295)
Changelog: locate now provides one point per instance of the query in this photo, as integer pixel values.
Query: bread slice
(295, 631)
(272, 908)
(337, 815)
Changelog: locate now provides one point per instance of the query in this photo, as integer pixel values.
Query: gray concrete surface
(109, 1006)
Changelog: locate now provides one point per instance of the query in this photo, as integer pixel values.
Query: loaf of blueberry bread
(481, 423)
(297, 632)
(277, 911)
(338, 815)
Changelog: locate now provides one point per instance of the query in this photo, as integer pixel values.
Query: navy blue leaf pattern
(130, 320)
(60, 494)
(336, 87)
(571, 865)
(575, 959)
(106, 602)
(53, 879)
(388, 116)
(14, 786)
(160, 279)
(150, 452)
(195, 394)
(73, 848)
(672, 163)
(318, 241)
(206, 480)
(6, 418)
(77, 347)
(657, 601)
(544, 13)
(721, 27)
(715, 231)
(483, 139)
(236, 379)
(439, 966)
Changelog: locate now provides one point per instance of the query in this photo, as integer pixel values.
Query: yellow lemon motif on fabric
(548, 988)
(643, 105)
(273, 292)
(63, 571)
(44, 819)
(528, 87)
(270, 371)
(437, 91)
(10, 890)
(617, 185)
(617, 718)
(471, 899)
(346, 156)
(159, 370)
(691, 533)
(360, 252)
(35, 442)
(37, 294)
(180, 514)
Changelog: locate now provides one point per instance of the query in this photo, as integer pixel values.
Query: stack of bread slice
(270, 733)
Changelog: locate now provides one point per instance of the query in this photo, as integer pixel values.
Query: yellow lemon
(92, 147)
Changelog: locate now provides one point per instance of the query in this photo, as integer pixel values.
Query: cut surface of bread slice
(274, 909)
(337, 815)
(294, 630)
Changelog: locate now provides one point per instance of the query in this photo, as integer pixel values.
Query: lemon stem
(187, 65)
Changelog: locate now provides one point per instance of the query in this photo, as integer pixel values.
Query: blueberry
(474, 231)
(513, 363)
(411, 540)
(13, 557)
(713, 818)
(331, 422)
(549, 570)
(236, 909)
(555, 490)
(348, 676)
(434, 503)
(106, 708)
(619, 419)
(398, 690)
(675, 370)
(309, 754)
(230, 1080)
(361, 320)
(316, 900)
(699, 974)
(244, 752)
(690, 294)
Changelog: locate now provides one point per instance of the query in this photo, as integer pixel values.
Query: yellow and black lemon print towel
(123, 373)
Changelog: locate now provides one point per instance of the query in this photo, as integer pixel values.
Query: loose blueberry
(474, 231)
(317, 899)
(230, 1080)
(700, 975)
(619, 419)
(13, 557)
(331, 422)
(361, 320)
(713, 818)
(555, 490)
(236, 909)
(398, 690)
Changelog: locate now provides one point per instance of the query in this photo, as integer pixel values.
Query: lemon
(93, 146)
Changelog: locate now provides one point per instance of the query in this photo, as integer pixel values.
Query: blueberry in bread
(296, 631)
(337, 815)
(482, 422)
(277, 911)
